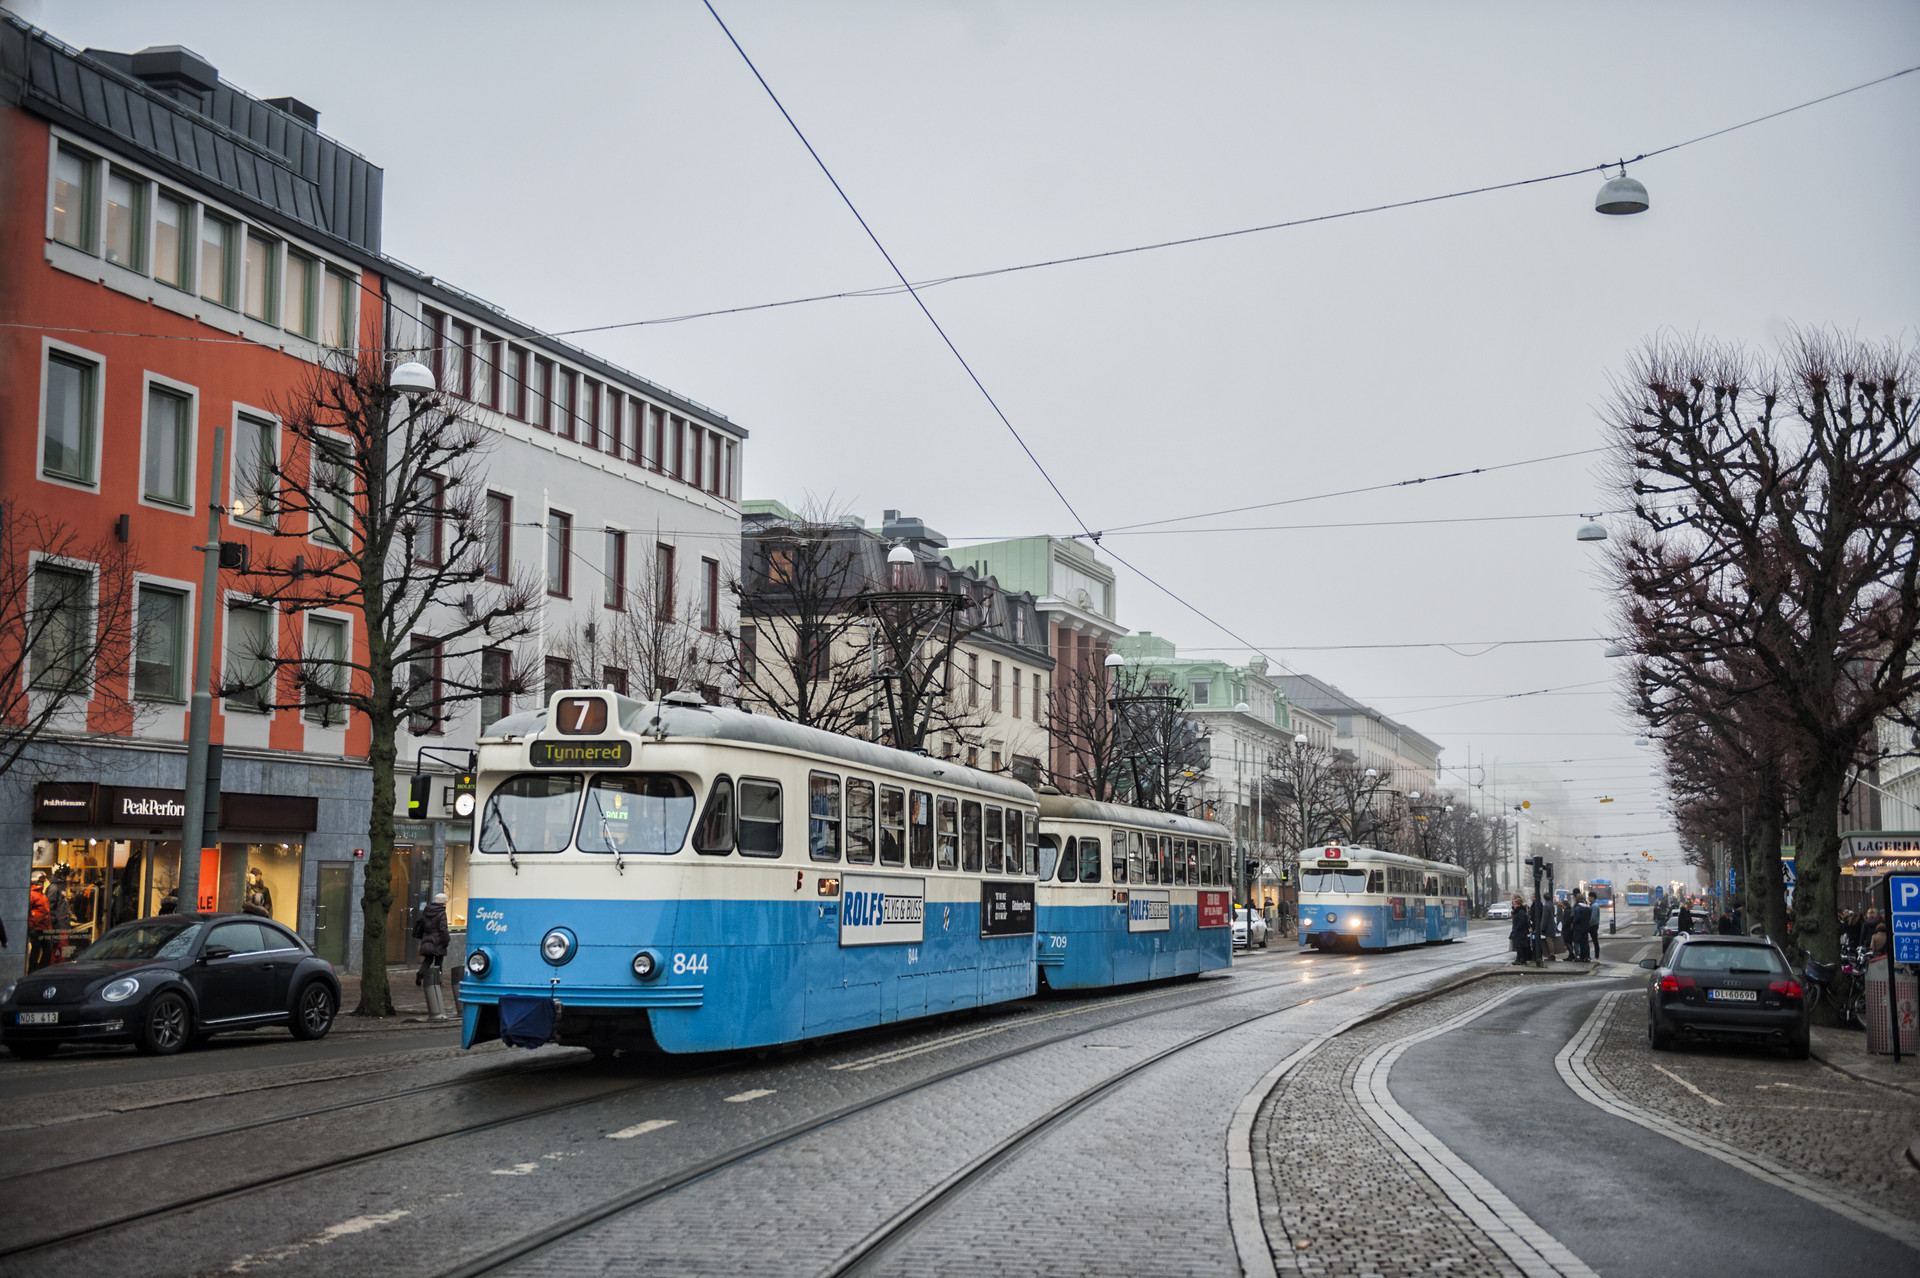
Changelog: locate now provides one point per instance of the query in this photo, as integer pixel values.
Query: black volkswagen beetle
(162, 982)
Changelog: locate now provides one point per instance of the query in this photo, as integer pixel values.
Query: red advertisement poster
(1213, 908)
(209, 879)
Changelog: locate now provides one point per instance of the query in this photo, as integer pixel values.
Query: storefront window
(456, 884)
(271, 888)
(81, 888)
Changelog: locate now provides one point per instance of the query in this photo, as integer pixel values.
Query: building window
(253, 460)
(1344, 725)
(481, 369)
(336, 312)
(540, 394)
(425, 537)
(74, 176)
(709, 594)
(167, 439)
(263, 292)
(127, 221)
(732, 489)
(1201, 691)
(298, 313)
(1016, 692)
(590, 409)
(499, 537)
(713, 465)
(656, 459)
(249, 660)
(172, 225)
(616, 679)
(72, 401)
(332, 497)
(513, 384)
(993, 701)
(615, 569)
(559, 554)
(679, 445)
(973, 682)
(1036, 694)
(749, 650)
(159, 644)
(496, 681)
(565, 388)
(457, 348)
(663, 582)
(695, 450)
(558, 676)
(217, 237)
(58, 629)
(423, 687)
(326, 670)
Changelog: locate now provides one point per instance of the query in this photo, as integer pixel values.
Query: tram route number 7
(580, 716)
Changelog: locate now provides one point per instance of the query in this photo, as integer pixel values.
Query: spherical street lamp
(899, 555)
(412, 378)
(1621, 195)
(1592, 530)
(1300, 739)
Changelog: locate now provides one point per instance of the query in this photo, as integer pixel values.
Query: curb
(1910, 1088)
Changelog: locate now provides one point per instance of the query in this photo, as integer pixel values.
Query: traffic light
(419, 791)
(1253, 874)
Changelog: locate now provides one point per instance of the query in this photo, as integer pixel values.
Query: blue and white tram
(1129, 895)
(690, 878)
(1364, 898)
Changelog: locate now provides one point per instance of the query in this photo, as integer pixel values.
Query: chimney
(298, 110)
(178, 72)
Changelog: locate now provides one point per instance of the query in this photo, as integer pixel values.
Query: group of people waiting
(1568, 930)
(1865, 930)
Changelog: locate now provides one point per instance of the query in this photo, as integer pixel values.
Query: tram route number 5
(689, 965)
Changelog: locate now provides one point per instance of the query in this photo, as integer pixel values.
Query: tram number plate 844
(689, 965)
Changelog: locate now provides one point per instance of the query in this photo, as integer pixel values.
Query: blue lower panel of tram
(1083, 947)
(1377, 926)
(735, 974)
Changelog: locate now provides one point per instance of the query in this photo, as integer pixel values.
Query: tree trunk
(376, 998)
(1772, 879)
(1816, 917)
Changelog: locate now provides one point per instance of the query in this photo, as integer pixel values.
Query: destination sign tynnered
(580, 754)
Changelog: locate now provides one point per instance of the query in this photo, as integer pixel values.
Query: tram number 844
(689, 964)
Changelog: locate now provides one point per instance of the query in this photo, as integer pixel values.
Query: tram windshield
(1333, 881)
(636, 812)
(531, 812)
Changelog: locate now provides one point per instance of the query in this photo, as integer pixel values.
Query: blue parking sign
(1903, 898)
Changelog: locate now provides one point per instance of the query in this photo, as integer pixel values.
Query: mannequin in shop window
(39, 922)
(259, 900)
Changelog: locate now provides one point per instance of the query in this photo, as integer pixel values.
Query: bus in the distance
(1601, 891)
(1639, 893)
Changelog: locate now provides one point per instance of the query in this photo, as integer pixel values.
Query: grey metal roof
(260, 158)
(1074, 807)
(723, 723)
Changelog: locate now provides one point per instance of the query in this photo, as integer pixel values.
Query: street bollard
(436, 1008)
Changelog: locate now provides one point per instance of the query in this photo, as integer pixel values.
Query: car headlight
(557, 946)
(8, 996)
(645, 965)
(121, 990)
(478, 964)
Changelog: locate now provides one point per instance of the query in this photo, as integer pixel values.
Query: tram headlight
(645, 965)
(478, 964)
(557, 946)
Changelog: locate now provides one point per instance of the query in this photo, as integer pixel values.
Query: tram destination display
(882, 910)
(1149, 910)
(580, 754)
(1006, 908)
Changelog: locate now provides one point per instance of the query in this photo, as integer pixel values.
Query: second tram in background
(1369, 899)
(1129, 895)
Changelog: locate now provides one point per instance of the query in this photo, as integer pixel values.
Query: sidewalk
(409, 1005)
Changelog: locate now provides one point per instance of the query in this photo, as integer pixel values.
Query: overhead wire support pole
(200, 709)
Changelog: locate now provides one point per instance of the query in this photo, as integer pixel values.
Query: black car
(1726, 987)
(164, 981)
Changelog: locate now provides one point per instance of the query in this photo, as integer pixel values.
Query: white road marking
(641, 1129)
(1689, 1086)
(518, 1169)
(754, 1094)
(1587, 1084)
(332, 1233)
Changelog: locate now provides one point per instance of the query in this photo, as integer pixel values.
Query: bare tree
(800, 654)
(1088, 733)
(379, 499)
(1305, 797)
(1776, 522)
(66, 635)
(648, 646)
(918, 624)
(1363, 802)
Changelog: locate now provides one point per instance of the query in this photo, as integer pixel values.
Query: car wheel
(1799, 1047)
(166, 1027)
(33, 1051)
(312, 1011)
(1659, 1036)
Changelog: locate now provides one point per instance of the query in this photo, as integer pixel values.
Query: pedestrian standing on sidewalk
(1686, 916)
(431, 929)
(1519, 935)
(1593, 930)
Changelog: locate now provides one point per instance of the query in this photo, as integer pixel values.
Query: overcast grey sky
(585, 164)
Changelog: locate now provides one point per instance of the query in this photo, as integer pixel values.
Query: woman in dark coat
(1519, 932)
(431, 928)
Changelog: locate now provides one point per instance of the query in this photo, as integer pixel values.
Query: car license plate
(39, 1018)
(1733, 996)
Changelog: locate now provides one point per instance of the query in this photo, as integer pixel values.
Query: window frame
(269, 312)
(970, 836)
(896, 830)
(228, 299)
(74, 678)
(254, 423)
(853, 820)
(93, 368)
(184, 446)
(825, 785)
(308, 266)
(321, 715)
(1090, 847)
(742, 820)
(182, 279)
(500, 559)
(183, 605)
(664, 574)
(346, 314)
(920, 829)
(946, 832)
(560, 551)
(137, 218)
(727, 821)
(710, 595)
(247, 702)
(614, 570)
(89, 197)
(422, 661)
(330, 450)
(995, 837)
(500, 693)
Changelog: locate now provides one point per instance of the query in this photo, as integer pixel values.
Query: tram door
(412, 870)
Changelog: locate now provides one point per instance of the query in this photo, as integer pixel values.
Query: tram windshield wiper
(505, 833)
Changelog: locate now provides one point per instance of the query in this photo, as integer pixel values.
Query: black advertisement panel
(580, 754)
(71, 801)
(1006, 908)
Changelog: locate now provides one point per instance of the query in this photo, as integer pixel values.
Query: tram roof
(723, 723)
(1380, 854)
(1073, 807)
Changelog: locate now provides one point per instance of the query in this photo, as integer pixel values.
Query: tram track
(928, 1204)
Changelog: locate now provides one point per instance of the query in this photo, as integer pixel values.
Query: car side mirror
(1650, 964)
(214, 952)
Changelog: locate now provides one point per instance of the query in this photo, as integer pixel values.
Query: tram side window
(1135, 870)
(1067, 863)
(1220, 864)
(634, 812)
(1376, 882)
(1179, 862)
(531, 812)
(823, 816)
(970, 836)
(1119, 856)
(946, 831)
(996, 841)
(893, 825)
(920, 832)
(1089, 860)
(1022, 855)
(859, 822)
(714, 835)
(1152, 861)
(760, 823)
(1166, 859)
